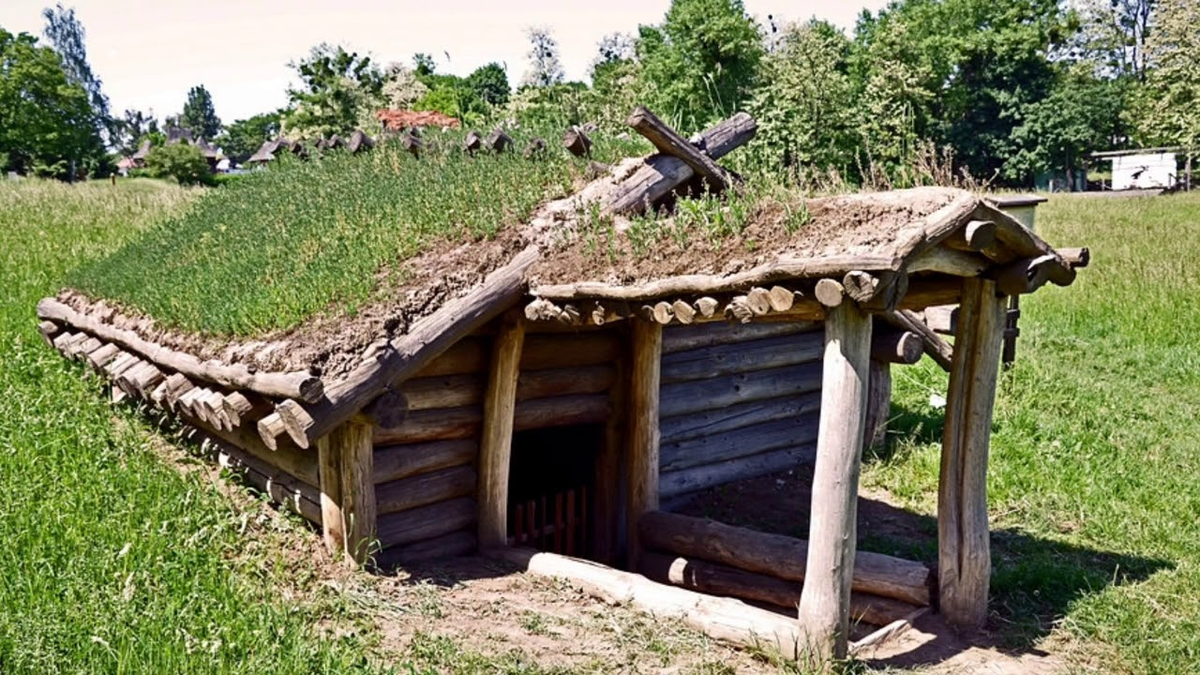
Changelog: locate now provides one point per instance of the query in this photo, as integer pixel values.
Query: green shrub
(185, 163)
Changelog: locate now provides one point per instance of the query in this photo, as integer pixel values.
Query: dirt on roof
(395, 120)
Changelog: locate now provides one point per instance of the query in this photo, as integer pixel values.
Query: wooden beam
(879, 404)
(345, 459)
(825, 600)
(644, 378)
(668, 142)
(964, 559)
(495, 447)
(937, 348)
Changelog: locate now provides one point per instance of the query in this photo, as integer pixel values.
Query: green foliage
(45, 119)
(243, 138)
(701, 64)
(545, 65)
(66, 34)
(339, 91)
(1170, 102)
(553, 107)
(490, 84)
(199, 116)
(280, 245)
(182, 161)
(129, 130)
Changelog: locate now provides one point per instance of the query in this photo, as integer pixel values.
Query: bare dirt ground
(477, 615)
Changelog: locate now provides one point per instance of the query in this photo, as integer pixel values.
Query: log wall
(427, 439)
(736, 401)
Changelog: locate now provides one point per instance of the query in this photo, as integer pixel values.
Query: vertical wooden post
(879, 404)
(345, 459)
(495, 447)
(644, 376)
(607, 506)
(964, 557)
(825, 599)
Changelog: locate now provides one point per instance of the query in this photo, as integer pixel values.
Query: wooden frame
(644, 379)
(495, 446)
(345, 461)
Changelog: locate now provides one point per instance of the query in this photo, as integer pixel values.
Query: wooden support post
(495, 448)
(964, 559)
(825, 599)
(644, 377)
(879, 404)
(345, 460)
(608, 507)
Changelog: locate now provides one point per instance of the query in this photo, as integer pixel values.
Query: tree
(1170, 102)
(130, 129)
(67, 35)
(182, 161)
(46, 120)
(1113, 36)
(545, 67)
(199, 116)
(805, 101)
(340, 91)
(402, 87)
(615, 74)
(490, 84)
(243, 138)
(701, 63)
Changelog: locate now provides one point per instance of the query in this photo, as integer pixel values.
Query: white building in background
(1142, 169)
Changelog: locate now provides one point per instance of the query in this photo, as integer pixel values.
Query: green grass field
(113, 561)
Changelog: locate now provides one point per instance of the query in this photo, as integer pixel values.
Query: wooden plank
(684, 338)
(825, 600)
(729, 445)
(643, 461)
(394, 462)
(726, 418)
(670, 143)
(426, 488)
(495, 446)
(674, 484)
(686, 397)
(426, 522)
(964, 558)
(776, 352)
(607, 506)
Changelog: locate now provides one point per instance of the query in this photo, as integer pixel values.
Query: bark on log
(299, 385)
(723, 619)
(670, 143)
(426, 522)
(778, 555)
(426, 488)
(396, 462)
(674, 484)
(750, 355)
(696, 395)
(717, 579)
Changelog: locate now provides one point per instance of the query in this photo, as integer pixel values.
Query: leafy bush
(185, 163)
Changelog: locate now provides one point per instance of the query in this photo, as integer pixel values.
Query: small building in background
(1146, 169)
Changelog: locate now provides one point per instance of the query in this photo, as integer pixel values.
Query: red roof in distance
(395, 120)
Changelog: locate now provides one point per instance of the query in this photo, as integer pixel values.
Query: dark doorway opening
(551, 489)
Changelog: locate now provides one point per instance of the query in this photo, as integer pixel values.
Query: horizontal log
(685, 338)
(925, 291)
(425, 522)
(682, 397)
(281, 487)
(975, 235)
(944, 260)
(725, 418)
(459, 543)
(896, 347)
(729, 445)
(751, 355)
(1028, 274)
(301, 385)
(675, 484)
(433, 425)
(286, 456)
(778, 555)
(937, 348)
(559, 411)
(1076, 257)
(724, 619)
(426, 488)
(717, 579)
(563, 351)
(469, 355)
(394, 462)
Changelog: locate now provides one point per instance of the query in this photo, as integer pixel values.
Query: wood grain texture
(643, 440)
(495, 445)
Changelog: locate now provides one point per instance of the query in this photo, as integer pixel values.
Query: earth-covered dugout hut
(539, 396)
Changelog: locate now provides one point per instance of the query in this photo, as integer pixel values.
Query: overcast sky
(148, 54)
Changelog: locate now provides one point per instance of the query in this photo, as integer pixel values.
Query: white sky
(148, 54)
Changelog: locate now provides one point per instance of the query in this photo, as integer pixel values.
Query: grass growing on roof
(273, 249)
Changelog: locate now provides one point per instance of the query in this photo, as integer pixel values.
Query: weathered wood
(557, 351)
(1026, 244)
(472, 142)
(427, 339)
(662, 312)
(396, 462)
(498, 141)
(606, 496)
(426, 488)
(495, 445)
(683, 312)
(949, 261)
(892, 346)
(577, 142)
(926, 291)
(561, 411)
(777, 555)
(282, 487)
(964, 559)
(48, 331)
(738, 309)
(177, 386)
(724, 619)
(781, 299)
(296, 422)
(717, 579)
(976, 235)
(1076, 257)
(643, 413)
(725, 359)
(299, 385)
(937, 348)
(536, 149)
(885, 634)
(442, 424)
(1026, 275)
(729, 445)
(879, 403)
(707, 307)
(726, 418)
(238, 408)
(668, 142)
(697, 395)
(329, 467)
(825, 600)
(829, 292)
(270, 428)
(102, 356)
(435, 549)
(673, 484)
(348, 452)
(469, 355)
(679, 338)
(426, 522)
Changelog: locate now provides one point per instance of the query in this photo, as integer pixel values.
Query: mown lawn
(1095, 467)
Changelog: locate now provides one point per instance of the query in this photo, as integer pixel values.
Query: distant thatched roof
(142, 151)
(395, 120)
(178, 135)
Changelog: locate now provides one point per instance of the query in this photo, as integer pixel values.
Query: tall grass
(110, 560)
(279, 246)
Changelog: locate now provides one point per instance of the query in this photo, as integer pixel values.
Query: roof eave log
(759, 303)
